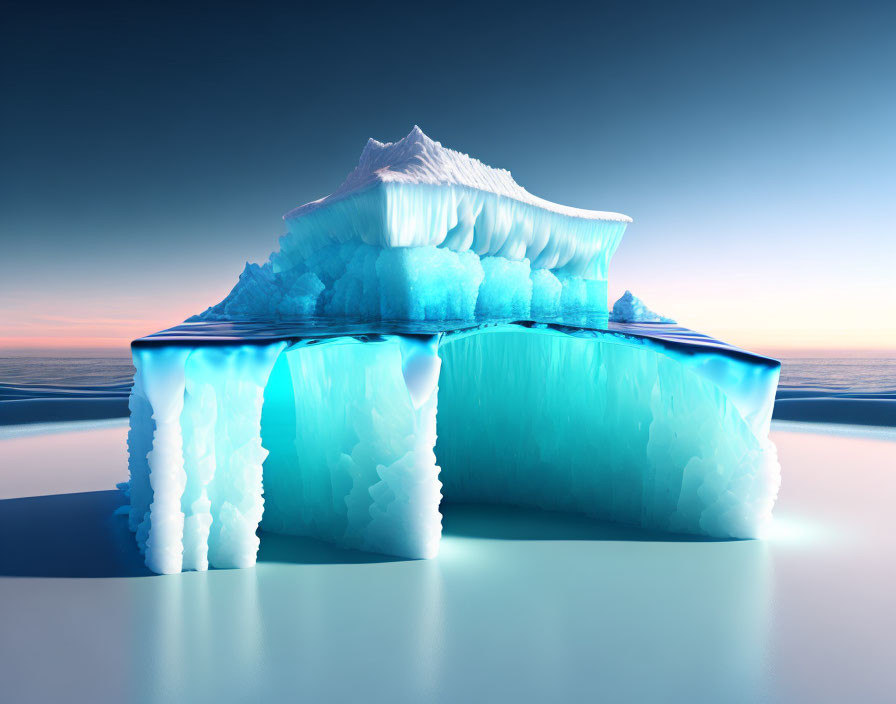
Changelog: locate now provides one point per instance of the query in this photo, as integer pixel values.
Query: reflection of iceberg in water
(191, 632)
(638, 616)
(598, 600)
(473, 299)
(321, 631)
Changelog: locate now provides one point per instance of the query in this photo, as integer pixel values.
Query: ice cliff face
(421, 232)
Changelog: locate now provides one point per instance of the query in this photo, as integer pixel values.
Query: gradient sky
(148, 150)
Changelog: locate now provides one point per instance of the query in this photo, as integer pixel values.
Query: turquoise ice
(432, 332)
(355, 437)
(421, 232)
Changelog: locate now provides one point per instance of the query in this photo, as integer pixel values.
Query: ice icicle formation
(580, 424)
(351, 427)
(421, 232)
(631, 309)
(667, 431)
(196, 455)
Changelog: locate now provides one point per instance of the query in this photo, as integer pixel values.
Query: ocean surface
(520, 606)
(79, 386)
(85, 386)
(836, 390)
(836, 375)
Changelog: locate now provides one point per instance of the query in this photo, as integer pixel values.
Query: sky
(148, 150)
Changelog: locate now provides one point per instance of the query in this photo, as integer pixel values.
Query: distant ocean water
(853, 375)
(855, 390)
(90, 386)
(36, 389)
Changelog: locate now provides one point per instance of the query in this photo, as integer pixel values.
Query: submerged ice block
(350, 426)
(353, 435)
(196, 455)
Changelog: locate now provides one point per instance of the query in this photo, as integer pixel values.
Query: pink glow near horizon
(763, 311)
(108, 329)
(755, 330)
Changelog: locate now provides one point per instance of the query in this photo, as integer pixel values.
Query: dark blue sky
(148, 150)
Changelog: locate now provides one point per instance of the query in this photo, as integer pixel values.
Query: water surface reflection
(519, 604)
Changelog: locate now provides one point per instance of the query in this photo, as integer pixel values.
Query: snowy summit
(417, 159)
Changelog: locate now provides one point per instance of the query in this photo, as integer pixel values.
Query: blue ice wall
(350, 428)
(335, 436)
(615, 431)
(586, 423)
(195, 453)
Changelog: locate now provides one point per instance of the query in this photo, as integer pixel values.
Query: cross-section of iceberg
(410, 343)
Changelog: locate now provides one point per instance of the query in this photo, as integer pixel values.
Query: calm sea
(80, 386)
(839, 375)
(96, 385)
(24, 377)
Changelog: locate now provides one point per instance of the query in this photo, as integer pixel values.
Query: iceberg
(631, 309)
(432, 333)
(421, 232)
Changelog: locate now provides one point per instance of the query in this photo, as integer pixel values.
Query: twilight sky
(147, 151)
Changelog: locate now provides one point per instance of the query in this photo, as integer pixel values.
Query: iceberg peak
(416, 143)
(418, 160)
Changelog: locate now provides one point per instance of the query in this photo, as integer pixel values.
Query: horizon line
(61, 344)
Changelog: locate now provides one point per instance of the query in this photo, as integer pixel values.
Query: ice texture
(663, 431)
(612, 431)
(421, 232)
(306, 401)
(350, 427)
(195, 454)
(631, 309)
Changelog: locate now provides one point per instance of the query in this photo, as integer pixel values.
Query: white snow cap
(417, 159)
(631, 309)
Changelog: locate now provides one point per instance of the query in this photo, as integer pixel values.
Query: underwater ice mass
(432, 332)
